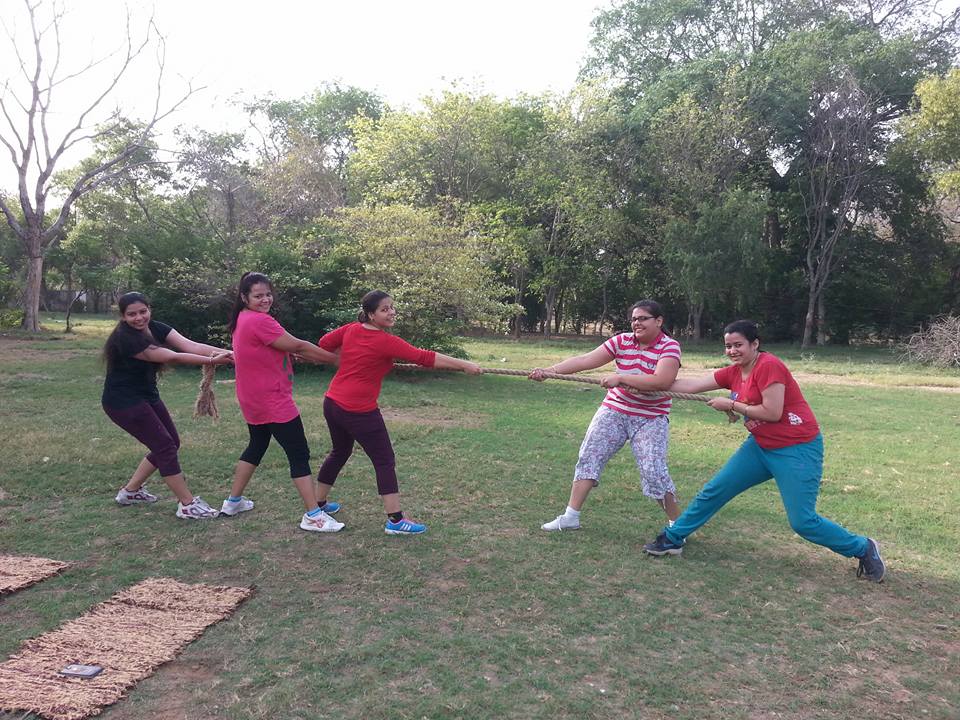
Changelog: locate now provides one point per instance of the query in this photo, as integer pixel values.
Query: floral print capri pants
(648, 437)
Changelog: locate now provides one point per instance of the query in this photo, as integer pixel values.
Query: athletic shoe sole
(224, 511)
(127, 502)
(661, 553)
(327, 528)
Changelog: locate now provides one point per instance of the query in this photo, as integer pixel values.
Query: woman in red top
(261, 352)
(367, 351)
(784, 443)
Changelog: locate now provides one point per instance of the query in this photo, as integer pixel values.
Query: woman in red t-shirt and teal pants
(261, 352)
(785, 443)
(367, 351)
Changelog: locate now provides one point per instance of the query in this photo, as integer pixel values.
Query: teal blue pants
(797, 470)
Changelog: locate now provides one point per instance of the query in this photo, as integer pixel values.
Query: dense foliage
(783, 161)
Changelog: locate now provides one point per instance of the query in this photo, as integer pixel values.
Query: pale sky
(400, 50)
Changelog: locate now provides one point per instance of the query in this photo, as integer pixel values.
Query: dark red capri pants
(367, 429)
(151, 424)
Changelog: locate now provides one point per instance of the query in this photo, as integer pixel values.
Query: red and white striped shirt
(631, 358)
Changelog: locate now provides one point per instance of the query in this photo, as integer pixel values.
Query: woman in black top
(131, 400)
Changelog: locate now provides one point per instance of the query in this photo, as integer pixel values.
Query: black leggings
(292, 439)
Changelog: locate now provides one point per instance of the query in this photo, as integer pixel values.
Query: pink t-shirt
(264, 374)
(632, 358)
(796, 425)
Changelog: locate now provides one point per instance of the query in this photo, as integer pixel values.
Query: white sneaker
(561, 522)
(235, 508)
(196, 510)
(125, 497)
(320, 523)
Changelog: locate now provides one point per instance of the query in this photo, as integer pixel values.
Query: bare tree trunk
(31, 292)
(821, 321)
(558, 314)
(520, 281)
(809, 318)
(73, 302)
(698, 322)
(603, 314)
(69, 301)
(549, 302)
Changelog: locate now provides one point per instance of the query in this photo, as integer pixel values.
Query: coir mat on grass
(18, 572)
(129, 635)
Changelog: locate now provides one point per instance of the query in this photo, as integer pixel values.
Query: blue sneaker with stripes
(331, 508)
(404, 527)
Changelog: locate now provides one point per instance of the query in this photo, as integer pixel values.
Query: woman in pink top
(367, 351)
(261, 351)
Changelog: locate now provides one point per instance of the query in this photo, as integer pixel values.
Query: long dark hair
(369, 304)
(247, 281)
(110, 346)
(747, 328)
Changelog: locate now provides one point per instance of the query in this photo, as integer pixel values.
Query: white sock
(669, 523)
(571, 514)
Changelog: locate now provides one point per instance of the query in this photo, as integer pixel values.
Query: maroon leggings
(151, 424)
(369, 430)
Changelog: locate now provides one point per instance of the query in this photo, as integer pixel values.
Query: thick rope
(573, 378)
(206, 403)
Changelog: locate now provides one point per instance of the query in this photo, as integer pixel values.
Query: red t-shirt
(796, 425)
(264, 374)
(366, 356)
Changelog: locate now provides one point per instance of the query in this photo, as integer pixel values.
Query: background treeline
(792, 162)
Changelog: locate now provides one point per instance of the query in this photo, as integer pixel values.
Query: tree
(699, 149)
(218, 183)
(836, 158)
(936, 129)
(311, 138)
(640, 42)
(35, 150)
(789, 58)
(434, 271)
(455, 151)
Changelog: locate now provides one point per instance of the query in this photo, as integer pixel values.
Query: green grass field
(487, 616)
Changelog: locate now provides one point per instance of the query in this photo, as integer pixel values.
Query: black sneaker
(871, 564)
(663, 546)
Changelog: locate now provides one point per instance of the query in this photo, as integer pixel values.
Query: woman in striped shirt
(647, 361)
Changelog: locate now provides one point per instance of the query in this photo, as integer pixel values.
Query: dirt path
(817, 378)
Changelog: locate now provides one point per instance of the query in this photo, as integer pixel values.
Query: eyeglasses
(641, 318)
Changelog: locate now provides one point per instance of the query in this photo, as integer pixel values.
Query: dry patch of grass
(434, 416)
